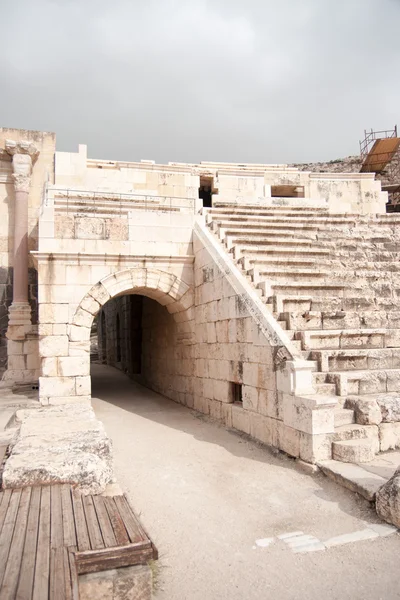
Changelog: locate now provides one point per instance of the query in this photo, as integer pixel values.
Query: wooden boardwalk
(51, 534)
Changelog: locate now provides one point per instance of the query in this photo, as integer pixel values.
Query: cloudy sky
(190, 80)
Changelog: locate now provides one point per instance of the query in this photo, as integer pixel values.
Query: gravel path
(208, 496)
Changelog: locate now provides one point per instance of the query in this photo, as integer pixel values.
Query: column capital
(24, 155)
(22, 147)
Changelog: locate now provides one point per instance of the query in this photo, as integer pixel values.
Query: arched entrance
(70, 380)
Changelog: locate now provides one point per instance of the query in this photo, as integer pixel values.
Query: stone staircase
(332, 281)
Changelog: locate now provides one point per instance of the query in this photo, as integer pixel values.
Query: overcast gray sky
(190, 80)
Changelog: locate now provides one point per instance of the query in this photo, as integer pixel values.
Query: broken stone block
(60, 444)
(367, 411)
(390, 407)
(389, 436)
(388, 500)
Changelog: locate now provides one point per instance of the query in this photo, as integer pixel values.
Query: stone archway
(68, 380)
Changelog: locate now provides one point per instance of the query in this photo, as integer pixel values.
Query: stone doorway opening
(138, 336)
(168, 304)
(206, 190)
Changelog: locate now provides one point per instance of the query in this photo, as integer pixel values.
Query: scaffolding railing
(371, 136)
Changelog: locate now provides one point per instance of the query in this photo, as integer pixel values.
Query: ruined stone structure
(261, 295)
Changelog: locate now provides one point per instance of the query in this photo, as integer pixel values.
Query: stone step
(282, 251)
(332, 236)
(305, 320)
(356, 360)
(255, 209)
(290, 274)
(343, 416)
(288, 302)
(335, 339)
(353, 431)
(295, 219)
(354, 451)
(360, 383)
(315, 289)
(262, 242)
(364, 282)
(346, 263)
(320, 378)
(326, 389)
(353, 477)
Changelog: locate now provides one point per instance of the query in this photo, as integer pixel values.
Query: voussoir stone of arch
(178, 289)
(100, 293)
(90, 305)
(166, 282)
(82, 318)
(153, 278)
(139, 277)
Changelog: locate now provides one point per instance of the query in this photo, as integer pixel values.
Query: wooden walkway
(51, 534)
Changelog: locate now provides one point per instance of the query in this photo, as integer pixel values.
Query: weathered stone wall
(121, 348)
(230, 349)
(168, 352)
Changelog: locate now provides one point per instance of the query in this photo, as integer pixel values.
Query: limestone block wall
(230, 349)
(120, 333)
(358, 193)
(168, 350)
(143, 178)
(78, 224)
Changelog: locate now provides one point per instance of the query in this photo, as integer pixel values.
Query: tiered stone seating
(332, 282)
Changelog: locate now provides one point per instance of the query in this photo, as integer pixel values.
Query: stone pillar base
(22, 346)
(19, 313)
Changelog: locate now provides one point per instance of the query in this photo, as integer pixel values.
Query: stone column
(24, 154)
(22, 346)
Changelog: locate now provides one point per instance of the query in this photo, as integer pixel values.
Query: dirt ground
(208, 496)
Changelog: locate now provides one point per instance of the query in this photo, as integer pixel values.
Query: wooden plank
(82, 535)
(42, 566)
(104, 522)
(57, 536)
(130, 520)
(12, 570)
(67, 575)
(113, 558)
(73, 574)
(144, 531)
(25, 585)
(7, 531)
(6, 495)
(96, 540)
(57, 577)
(117, 523)
(68, 517)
